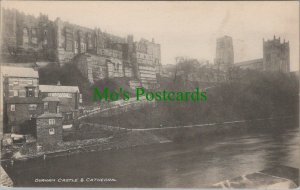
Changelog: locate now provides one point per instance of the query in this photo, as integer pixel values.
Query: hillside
(69, 75)
(257, 95)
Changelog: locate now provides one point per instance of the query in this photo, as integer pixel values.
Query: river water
(195, 163)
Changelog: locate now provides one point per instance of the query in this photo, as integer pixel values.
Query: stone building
(224, 53)
(276, 55)
(95, 67)
(41, 39)
(49, 124)
(27, 38)
(19, 82)
(254, 64)
(69, 99)
(49, 129)
(24, 99)
(92, 67)
(20, 112)
(20, 96)
(146, 56)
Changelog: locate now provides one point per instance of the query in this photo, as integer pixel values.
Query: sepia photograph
(149, 94)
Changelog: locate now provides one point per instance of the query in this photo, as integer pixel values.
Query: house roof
(23, 100)
(58, 88)
(51, 99)
(249, 62)
(50, 115)
(8, 71)
(27, 65)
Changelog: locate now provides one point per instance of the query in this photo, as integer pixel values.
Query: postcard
(150, 94)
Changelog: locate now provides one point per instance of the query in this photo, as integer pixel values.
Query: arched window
(45, 42)
(33, 31)
(34, 36)
(25, 36)
(89, 40)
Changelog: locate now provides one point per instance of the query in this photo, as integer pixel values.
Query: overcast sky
(184, 28)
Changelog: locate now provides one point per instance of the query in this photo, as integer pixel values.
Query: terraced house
(20, 95)
(96, 53)
(25, 100)
(68, 97)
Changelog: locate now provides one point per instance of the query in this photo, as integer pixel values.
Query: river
(194, 163)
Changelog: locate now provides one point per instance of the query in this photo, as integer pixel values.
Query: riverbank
(196, 163)
(138, 137)
(120, 141)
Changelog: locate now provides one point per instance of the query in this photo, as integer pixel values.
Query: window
(34, 36)
(45, 37)
(13, 107)
(57, 109)
(51, 121)
(80, 98)
(30, 92)
(51, 131)
(46, 106)
(32, 107)
(16, 93)
(25, 36)
(89, 36)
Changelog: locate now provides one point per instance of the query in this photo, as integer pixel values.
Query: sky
(183, 28)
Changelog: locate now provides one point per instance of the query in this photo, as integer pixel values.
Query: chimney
(58, 83)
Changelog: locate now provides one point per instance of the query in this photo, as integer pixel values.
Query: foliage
(257, 95)
(69, 75)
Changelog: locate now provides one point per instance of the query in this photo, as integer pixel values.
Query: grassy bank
(257, 95)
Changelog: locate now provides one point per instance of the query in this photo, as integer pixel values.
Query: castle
(97, 54)
(276, 56)
(224, 53)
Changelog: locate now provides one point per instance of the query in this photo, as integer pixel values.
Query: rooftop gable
(23, 72)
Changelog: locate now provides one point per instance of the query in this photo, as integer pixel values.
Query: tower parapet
(276, 55)
(224, 52)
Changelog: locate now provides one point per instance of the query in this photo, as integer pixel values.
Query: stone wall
(66, 104)
(18, 85)
(43, 127)
(22, 113)
(27, 38)
(43, 39)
